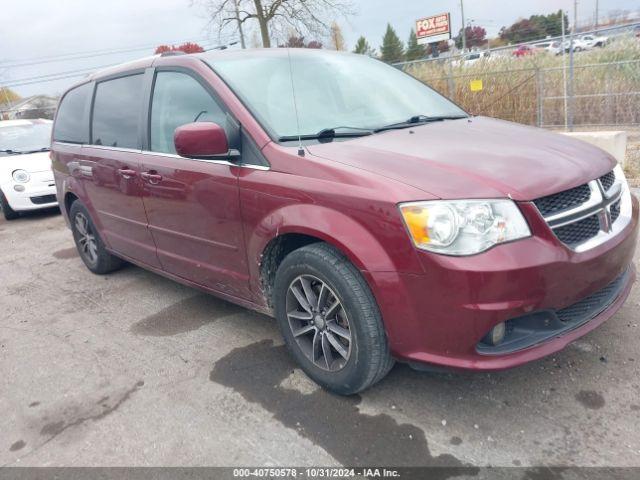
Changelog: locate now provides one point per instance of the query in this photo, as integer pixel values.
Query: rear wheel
(330, 320)
(88, 242)
(9, 213)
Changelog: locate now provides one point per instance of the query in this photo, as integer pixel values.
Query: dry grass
(518, 88)
(632, 164)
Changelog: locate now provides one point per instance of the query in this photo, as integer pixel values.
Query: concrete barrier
(614, 143)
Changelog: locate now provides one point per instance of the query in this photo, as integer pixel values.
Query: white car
(595, 40)
(26, 179)
(551, 47)
(579, 45)
(470, 58)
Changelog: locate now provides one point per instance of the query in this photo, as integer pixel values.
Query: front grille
(615, 211)
(579, 214)
(43, 199)
(608, 180)
(566, 200)
(578, 232)
(591, 306)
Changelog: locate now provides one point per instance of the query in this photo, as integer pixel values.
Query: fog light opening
(495, 335)
(18, 188)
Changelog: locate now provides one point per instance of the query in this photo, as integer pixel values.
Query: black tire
(9, 213)
(92, 251)
(368, 359)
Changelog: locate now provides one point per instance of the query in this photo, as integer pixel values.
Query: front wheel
(330, 320)
(88, 242)
(9, 213)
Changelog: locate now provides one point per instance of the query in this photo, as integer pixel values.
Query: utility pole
(596, 21)
(464, 27)
(574, 30)
(564, 72)
(240, 31)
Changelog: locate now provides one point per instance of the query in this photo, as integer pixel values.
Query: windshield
(331, 90)
(27, 138)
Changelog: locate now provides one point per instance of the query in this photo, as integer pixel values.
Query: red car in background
(375, 219)
(524, 50)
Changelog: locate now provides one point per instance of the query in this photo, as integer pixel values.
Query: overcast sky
(33, 30)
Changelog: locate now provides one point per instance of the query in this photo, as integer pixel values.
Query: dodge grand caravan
(372, 217)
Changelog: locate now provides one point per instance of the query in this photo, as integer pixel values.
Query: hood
(31, 162)
(474, 158)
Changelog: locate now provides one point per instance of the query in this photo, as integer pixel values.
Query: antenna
(295, 105)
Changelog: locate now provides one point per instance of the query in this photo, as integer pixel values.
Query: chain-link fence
(602, 89)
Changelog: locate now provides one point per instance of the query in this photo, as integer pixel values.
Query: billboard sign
(433, 29)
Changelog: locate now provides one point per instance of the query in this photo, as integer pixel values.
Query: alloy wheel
(86, 238)
(319, 323)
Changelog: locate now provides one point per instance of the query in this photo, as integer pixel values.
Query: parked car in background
(551, 47)
(578, 45)
(525, 50)
(592, 41)
(26, 179)
(371, 216)
(472, 58)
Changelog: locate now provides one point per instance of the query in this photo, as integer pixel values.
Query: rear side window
(116, 112)
(179, 99)
(71, 125)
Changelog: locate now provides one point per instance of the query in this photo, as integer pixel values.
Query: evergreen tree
(414, 50)
(392, 49)
(363, 48)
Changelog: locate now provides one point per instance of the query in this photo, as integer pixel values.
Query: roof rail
(172, 53)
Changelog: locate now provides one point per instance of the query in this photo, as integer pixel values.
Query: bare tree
(276, 18)
(336, 38)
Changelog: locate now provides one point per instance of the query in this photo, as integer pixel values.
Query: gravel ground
(132, 369)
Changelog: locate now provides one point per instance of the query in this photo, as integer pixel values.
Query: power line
(72, 73)
(79, 71)
(47, 80)
(102, 52)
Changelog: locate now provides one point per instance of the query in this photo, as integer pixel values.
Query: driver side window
(179, 99)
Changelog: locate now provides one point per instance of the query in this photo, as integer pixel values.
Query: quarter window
(71, 125)
(179, 99)
(116, 112)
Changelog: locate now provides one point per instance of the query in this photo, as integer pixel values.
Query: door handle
(126, 173)
(152, 177)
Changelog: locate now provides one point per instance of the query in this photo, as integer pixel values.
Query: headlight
(21, 176)
(463, 227)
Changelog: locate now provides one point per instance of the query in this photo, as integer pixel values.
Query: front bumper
(441, 316)
(40, 192)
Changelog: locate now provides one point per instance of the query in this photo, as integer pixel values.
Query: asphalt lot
(132, 369)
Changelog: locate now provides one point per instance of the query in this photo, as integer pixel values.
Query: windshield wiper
(418, 120)
(24, 152)
(43, 149)
(331, 133)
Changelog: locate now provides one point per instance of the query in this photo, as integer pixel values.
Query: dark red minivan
(372, 217)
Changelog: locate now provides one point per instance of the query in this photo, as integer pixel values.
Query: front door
(192, 206)
(112, 163)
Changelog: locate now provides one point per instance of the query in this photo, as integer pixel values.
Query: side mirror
(202, 140)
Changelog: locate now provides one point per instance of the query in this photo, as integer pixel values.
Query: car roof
(17, 123)
(213, 55)
(209, 57)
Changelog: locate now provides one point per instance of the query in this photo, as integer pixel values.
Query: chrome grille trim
(600, 203)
